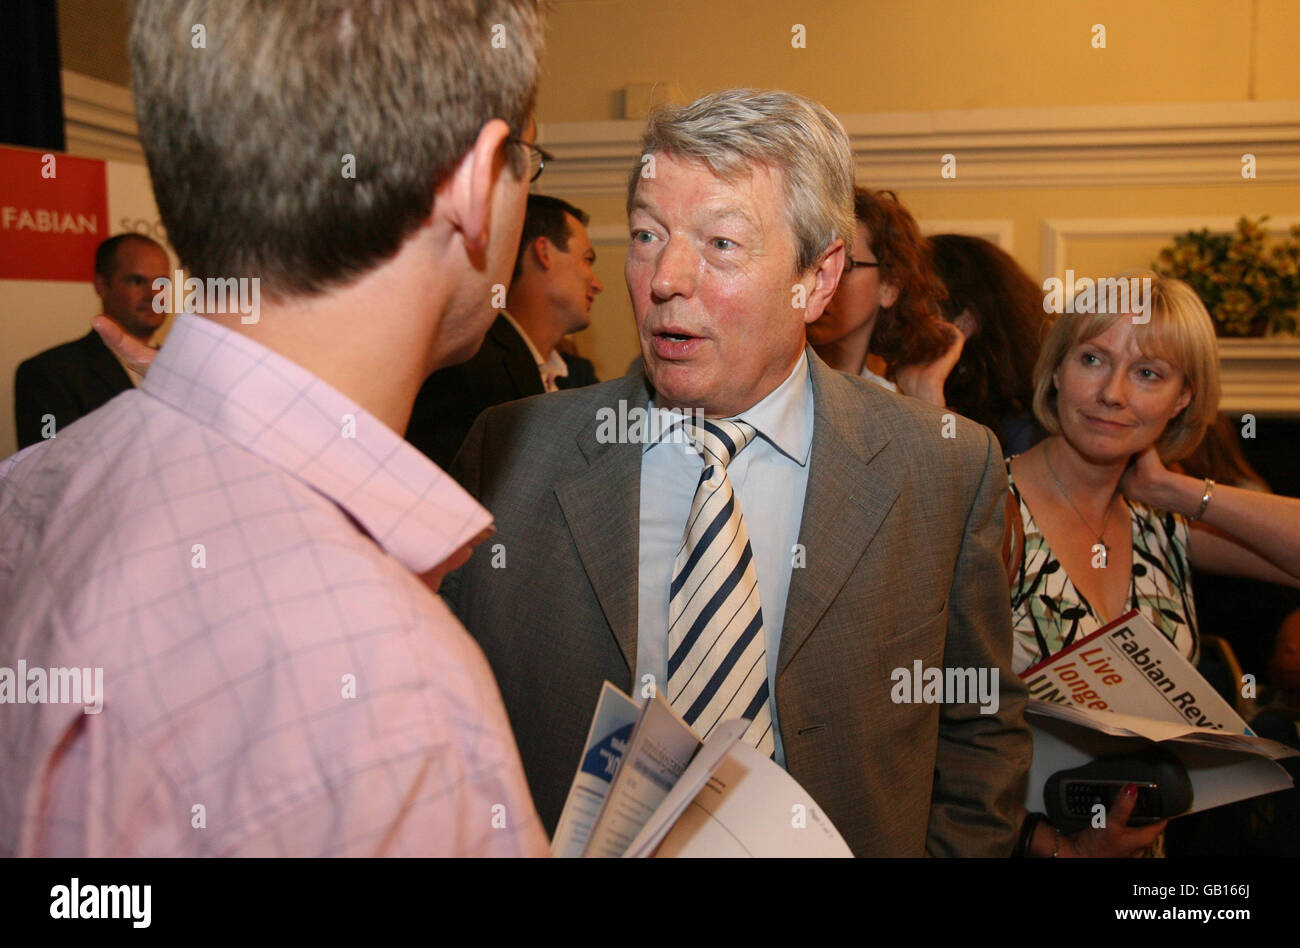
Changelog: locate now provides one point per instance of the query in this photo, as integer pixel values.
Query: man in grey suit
(815, 536)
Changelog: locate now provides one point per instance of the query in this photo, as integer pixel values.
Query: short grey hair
(733, 131)
(248, 138)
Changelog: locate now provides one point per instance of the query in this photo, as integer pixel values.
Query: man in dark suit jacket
(875, 521)
(550, 296)
(73, 379)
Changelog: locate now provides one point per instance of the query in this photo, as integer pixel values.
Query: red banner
(53, 214)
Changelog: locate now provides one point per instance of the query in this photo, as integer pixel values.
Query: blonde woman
(1101, 525)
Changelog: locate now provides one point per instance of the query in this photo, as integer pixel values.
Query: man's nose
(596, 285)
(674, 271)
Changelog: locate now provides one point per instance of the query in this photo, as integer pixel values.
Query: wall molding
(1058, 233)
(1261, 376)
(99, 119)
(1113, 146)
(1258, 375)
(1000, 231)
(1116, 146)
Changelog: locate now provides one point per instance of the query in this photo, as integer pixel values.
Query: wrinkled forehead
(752, 195)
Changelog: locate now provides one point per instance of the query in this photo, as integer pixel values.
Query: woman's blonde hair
(1179, 331)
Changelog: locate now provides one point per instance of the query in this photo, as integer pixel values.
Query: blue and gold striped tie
(717, 656)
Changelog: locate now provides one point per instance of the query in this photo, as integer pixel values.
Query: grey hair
(247, 137)
(734, 130)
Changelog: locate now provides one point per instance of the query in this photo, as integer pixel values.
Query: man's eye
(722, 243)
(641, 236)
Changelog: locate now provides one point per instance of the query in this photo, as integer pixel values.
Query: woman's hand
(1118, 839)
(130, 350)
(925, 380)
(1147, 480)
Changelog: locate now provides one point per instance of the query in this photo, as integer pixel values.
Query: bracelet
(1026, 839)
(1205, 498)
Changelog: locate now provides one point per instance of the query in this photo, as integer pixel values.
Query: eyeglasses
(850, 264)
(537, 157)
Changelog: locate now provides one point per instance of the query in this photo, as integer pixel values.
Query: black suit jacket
(502, 370)
(68, 381)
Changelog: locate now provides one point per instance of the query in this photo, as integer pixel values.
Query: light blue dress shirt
(769, 477)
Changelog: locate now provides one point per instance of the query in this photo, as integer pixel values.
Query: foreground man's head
(307, 144)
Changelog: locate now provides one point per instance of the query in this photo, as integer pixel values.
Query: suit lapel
(518, 360)
(602, 506)
(104, 364)
(846, 501)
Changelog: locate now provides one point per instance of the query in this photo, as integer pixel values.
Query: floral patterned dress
(1048, 613)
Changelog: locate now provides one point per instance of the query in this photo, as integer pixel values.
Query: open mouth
(675, 344)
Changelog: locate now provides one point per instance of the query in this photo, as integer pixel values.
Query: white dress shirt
(769, 477)
(550, 368)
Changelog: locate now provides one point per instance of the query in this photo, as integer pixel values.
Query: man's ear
(468, 192)
(101, 286)
(544, 251)
(826, 277)
(888, 295)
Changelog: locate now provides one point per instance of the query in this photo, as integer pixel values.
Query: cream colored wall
(895, 56)
(611, 341)
(870, 56)
(902, 55)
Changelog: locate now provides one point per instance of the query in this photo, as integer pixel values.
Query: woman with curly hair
(999, 309)
(885, 312)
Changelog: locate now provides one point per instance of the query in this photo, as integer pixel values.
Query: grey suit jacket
(902, 529)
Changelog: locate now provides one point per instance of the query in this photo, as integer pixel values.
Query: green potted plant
(1249, 288)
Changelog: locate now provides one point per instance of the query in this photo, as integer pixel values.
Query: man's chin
(139, 328)
(676, 384)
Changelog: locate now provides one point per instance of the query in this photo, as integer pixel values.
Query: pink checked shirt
(235, 544)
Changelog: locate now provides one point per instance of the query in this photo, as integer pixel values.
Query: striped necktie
(717, 657)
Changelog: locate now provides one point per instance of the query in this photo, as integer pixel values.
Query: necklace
(1105, 547)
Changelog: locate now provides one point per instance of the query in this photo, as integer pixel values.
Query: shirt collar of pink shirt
(279, 411)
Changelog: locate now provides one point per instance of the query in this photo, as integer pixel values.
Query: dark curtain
(31, 95)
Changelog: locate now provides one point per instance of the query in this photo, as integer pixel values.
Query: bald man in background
(75, 378)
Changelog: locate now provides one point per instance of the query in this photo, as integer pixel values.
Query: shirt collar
(783, 418)
(279, 411)
(553, 366)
